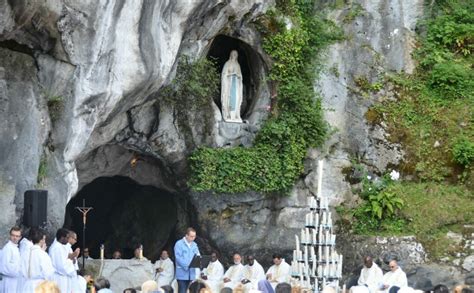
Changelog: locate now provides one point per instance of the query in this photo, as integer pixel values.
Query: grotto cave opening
(125, 214)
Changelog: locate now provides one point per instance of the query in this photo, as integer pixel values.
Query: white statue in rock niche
(231, 89)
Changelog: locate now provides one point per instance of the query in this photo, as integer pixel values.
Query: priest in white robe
(370, 278)
(11, 262)
(253, 273)
(164, 270)
(212, 275)
(62, 261)
(37, 267)
(279, 272)
(73, 279)
(24, 246)
(233, 275)
(394, 279)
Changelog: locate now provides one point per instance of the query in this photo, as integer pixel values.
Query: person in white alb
(234, 273)
(24, 245)
(73, 279)
(280, 272)
(164, 270)
(253, 273)
(62, 261)
(395, 279)
(10, 265)
(370, 278)
(213, 274)
(37, 267)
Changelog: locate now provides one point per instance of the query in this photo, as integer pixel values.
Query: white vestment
(280, 273)
(370, 280)
(10, 267)
(165, 277)
(397, 278)
(234, 273)
(73, 280)
(214, 272)
(63, 266)
(254, 274)
(25, 246)
(35, 268)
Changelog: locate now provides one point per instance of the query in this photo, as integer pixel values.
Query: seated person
(370, 278)
(253, 273)
(213, 274)
(394, 279)
(280, 272)
(233, 275)
(164, 270)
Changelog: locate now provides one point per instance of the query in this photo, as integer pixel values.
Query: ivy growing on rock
(293, 37)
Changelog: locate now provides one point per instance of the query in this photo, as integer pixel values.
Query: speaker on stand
(35, 208)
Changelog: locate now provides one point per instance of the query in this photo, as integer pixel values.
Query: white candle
(327, 254)
(314, 236)
(320, 177)
(302, 236)
(317, 221)
(327, 238)
(306, 222)
(320, 271)
(307, 236)
(320, 253)
(329, 219)
(313, 254)
(333, 239)
(294, 255)
(324, 221)
(340, 266)
(102, 251)
(311, 222)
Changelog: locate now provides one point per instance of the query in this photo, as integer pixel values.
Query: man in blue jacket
(184, 251)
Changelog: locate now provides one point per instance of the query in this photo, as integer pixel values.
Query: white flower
(394, 175)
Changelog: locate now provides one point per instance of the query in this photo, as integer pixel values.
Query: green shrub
(452, 80)
(463, 151)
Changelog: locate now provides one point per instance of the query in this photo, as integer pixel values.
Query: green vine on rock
(293, 36)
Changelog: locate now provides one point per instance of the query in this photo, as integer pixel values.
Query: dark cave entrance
(125, 215)
(249, 62)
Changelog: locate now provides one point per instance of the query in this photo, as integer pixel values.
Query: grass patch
(430, 210)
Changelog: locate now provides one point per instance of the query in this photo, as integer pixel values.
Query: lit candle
(102, 251)
(320, 177)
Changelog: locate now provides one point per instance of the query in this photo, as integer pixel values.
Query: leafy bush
(381, 203)
(452, 80)
(463, 151)
(276, 160)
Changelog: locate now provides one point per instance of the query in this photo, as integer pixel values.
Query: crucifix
(84, 210)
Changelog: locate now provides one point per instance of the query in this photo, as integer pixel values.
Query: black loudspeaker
(35, 208)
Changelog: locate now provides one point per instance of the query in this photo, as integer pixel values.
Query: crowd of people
(27, 267)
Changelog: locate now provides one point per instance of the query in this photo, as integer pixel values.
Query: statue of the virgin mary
(231, 90)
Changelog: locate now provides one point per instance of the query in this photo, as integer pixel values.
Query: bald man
(394, 279)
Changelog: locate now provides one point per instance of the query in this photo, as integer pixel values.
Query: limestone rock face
(99, 66)
(24, 125)
(380, 39)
